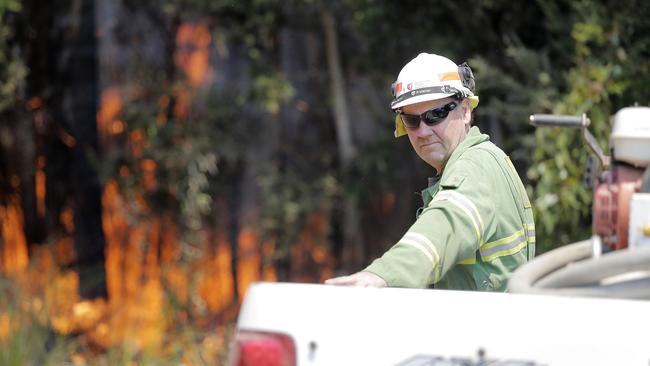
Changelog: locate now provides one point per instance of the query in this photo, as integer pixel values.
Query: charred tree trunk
(79, 111)
(352, 247)
(33, 227)
(298, 133)
(41, 38)
(235, 226)
(29, 39)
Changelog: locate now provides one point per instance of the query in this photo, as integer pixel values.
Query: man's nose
(423, 129)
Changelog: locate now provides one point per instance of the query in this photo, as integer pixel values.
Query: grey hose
(564, 271)
(634, 289)
(524, 279)
(592, 272)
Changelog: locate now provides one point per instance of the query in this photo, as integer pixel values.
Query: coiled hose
(574, 270)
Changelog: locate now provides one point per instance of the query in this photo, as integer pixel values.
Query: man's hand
(359, 279)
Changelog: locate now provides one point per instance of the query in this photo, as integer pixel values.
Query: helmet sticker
(448, 89)
(449, 76)
(398, 88)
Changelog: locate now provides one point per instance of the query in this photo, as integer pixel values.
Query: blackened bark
(80, 110)
(352, 254)
(234, 199)
(21, 155)
(26, 158)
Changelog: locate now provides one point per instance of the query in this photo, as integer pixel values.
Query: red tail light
(263, 349)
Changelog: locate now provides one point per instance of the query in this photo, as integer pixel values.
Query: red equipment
(623, 173)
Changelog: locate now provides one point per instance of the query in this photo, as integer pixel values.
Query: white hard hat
(430, 77)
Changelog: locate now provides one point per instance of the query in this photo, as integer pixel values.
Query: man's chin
(434, 159)
(433, 150)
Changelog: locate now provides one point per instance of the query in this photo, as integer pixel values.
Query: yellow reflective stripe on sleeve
(530, 232)
(531, 239)
(507, 251)
(437, 271)
(424, 245)
(466, 205)
(420, 247)
(505, 246)
(424, 241)
(502, 241)
(471, 260)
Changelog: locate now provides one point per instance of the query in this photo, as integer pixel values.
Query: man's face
(434, 144)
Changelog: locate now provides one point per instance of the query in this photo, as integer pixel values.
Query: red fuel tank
(611, 206)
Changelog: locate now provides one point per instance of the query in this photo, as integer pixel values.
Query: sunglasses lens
(430, 117)
(437, 115)
(410, 121)
(434, 116)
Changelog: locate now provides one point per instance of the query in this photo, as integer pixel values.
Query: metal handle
(559, 120)
(581, 122)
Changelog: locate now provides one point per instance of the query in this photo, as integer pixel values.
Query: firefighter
(476, 226)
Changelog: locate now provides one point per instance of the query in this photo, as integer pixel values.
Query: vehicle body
(331, 325)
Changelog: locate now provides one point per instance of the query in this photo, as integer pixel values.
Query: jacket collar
(473, 138)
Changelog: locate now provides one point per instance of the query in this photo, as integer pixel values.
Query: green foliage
(24, 339)
(12, 67)
(186, 152)
(289, 198)
(13, 73)
(601, 81)
(33, 344)
(273, 91)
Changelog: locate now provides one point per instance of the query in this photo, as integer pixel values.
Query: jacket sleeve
(449, 231)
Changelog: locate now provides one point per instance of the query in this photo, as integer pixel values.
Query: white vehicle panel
(389, 326)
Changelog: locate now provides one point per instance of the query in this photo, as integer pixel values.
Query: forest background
(156, 157)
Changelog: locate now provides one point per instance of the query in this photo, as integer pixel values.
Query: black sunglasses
(431, 117)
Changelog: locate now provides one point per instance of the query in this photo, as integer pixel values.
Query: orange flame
(149, 174)
(163, 102)
(35, 103)
(110, 108)
(132, 276)
(182, 106)
(13, 252)
(249, 260)
(192, 57)
(144, 267)
(138, 142)
(309, 257)
(192, 53)
(67, 220)
(40, 186)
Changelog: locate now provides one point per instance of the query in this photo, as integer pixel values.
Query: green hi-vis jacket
(475, 229)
